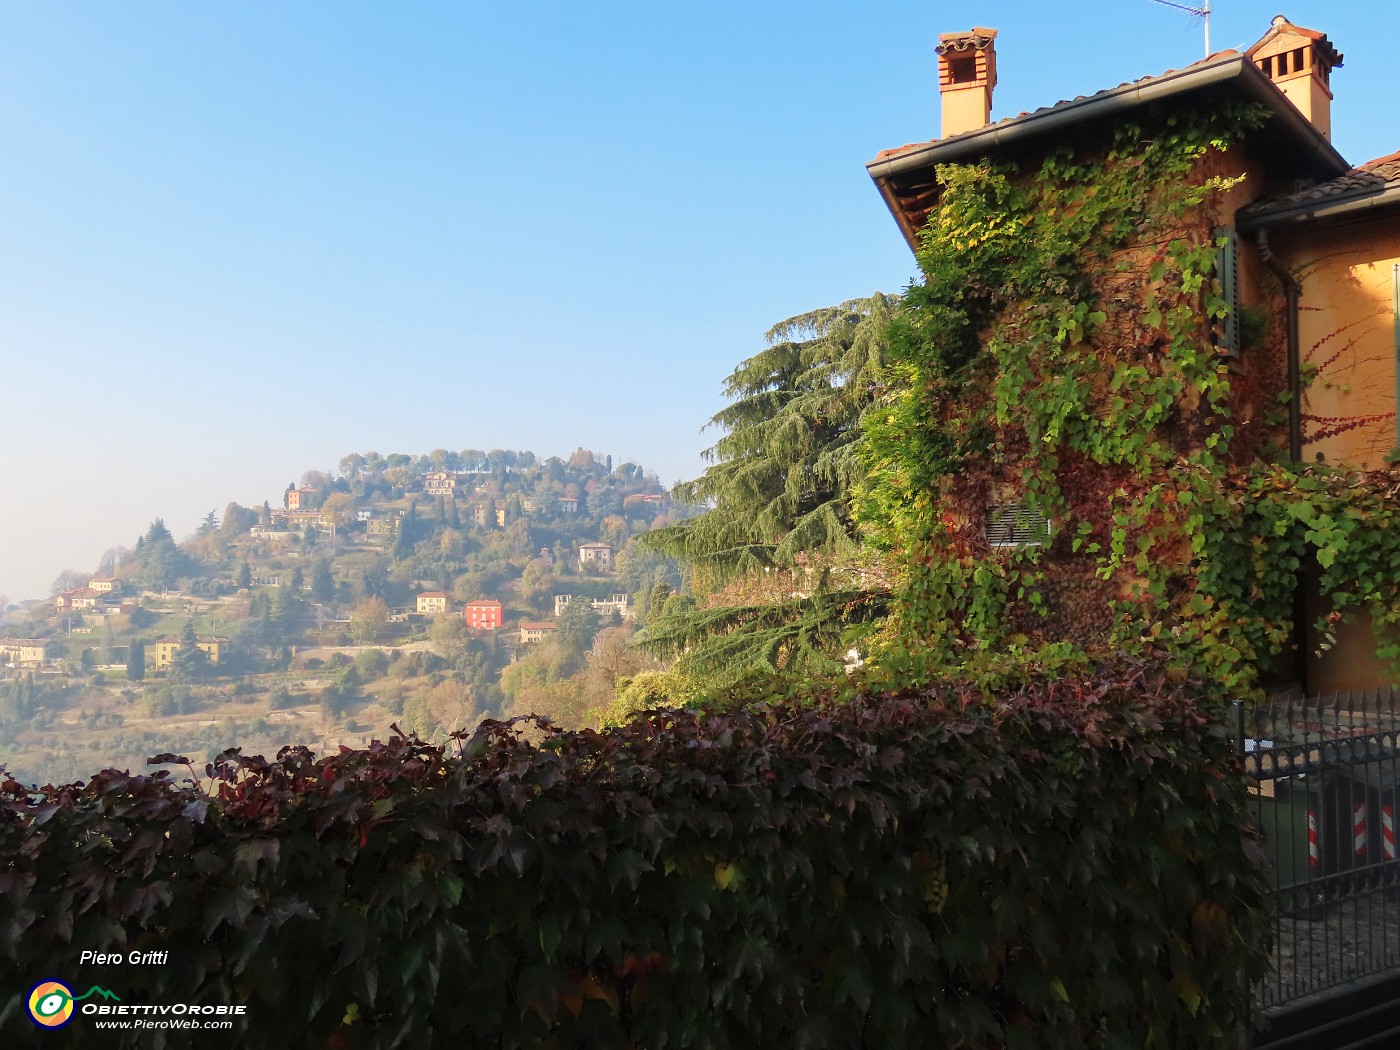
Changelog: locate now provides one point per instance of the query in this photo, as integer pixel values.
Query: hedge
(1066, 867)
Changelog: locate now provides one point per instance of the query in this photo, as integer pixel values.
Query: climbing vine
(1062, 357)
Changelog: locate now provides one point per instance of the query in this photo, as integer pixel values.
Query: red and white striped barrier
(1314, 859)
(1388, 832)
(1358, 828)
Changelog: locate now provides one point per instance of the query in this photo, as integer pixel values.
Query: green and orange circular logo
(51, 1004)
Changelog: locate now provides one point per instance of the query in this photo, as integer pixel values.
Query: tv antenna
(1202, 12)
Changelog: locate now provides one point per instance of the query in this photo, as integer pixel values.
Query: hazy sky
(239, 240)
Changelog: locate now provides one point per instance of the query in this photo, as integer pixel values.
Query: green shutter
(1228, 268)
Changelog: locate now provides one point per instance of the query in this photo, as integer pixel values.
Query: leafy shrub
(1066, 867)
(281, 698)
(371, 664)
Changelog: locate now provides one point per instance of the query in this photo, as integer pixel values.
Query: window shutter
(1228, 269)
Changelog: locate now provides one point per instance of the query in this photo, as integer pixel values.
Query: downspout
(1397, 360)
(1292, 292)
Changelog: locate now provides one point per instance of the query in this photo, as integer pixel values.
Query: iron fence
(1326, 784)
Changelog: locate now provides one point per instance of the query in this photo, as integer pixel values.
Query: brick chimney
(967, 73)
(1300, 63)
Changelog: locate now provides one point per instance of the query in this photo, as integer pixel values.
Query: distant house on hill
(299, 518)
(618, 603)
(303, 498)
(431, 603)
(104, 584)
(23, 652)
(536, 631)
(599, 554)
(567, 505)
(614, 603)
(488, 511)
(484, 614)
(80, 598)
(383, 528)
(163, 650)
(443, 482)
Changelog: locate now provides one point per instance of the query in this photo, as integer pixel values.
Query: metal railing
(1326, 786)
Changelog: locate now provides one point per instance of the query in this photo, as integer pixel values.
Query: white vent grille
(1016, 525)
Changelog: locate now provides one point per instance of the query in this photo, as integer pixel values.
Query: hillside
(431, 591)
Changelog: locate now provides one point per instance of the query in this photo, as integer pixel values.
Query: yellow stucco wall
(1347, 344)
(1350, 662)
(1347, 341)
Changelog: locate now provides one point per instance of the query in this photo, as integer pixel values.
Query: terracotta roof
(526, 625)
(906, 175)
(1374, 183)
(1062, 104)
(483, 603)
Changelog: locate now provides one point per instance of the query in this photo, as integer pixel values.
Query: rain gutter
(1311, 210)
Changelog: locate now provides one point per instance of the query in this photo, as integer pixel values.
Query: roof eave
(1005, 134)
(1313, 211)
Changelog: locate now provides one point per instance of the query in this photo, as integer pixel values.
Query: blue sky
(238, 241)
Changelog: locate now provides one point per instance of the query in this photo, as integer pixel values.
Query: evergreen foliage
(159, 562)
(190, 661)
(774, 558)
(136, 661)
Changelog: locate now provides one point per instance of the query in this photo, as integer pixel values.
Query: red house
(484, 614)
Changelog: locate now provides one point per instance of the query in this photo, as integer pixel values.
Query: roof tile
(897, 150)
(1369, 179)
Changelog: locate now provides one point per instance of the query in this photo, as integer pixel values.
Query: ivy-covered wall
(1064, 353)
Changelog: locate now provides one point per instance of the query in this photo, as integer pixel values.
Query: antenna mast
(1202, 12)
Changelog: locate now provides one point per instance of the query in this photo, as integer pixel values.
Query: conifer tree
(136, 661)
(777, 567)
(322, 583)
(190, 661)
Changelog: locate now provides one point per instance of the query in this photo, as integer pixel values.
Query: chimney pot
(967, 74)
(1299, 62)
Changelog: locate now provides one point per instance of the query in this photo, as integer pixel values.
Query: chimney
(967, 73)
(1300, 63)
